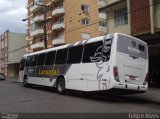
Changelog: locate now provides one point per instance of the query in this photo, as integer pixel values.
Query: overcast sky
(11, 14)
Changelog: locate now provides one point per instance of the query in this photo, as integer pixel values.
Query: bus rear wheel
(61, 86)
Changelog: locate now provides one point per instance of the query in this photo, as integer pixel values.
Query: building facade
(67, 21)
(139, 18)
(12, 48)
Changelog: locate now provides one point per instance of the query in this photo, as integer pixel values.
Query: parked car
(2, 77)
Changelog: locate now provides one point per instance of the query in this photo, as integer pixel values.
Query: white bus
(111, 62)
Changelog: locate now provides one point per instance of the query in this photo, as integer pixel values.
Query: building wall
(16, 47)
(72, 30)
(140, 16)
(4, 52)
(73, 16)
(12, 48)
(156, 14)
(111, 28)
(13, 71)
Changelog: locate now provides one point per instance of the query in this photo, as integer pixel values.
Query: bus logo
(134, 44)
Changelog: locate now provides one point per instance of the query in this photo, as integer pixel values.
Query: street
(14, 98)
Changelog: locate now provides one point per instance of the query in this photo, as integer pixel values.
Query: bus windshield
(132, 46)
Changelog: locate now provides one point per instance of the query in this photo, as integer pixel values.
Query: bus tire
(25, 81)
(61, 86)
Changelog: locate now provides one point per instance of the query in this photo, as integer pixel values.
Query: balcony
(58, 41)
(38, 18)
(102, 28)
(35, 7)
(37, 32)
(111, 3)
(102, 15)
(102, 3)
(28, 5)
(58, 26)
(58, 11)
(37, 45)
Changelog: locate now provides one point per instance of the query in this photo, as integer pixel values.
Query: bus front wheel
(61, 86)
(25, 81)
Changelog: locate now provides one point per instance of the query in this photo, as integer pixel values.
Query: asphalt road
(14, 98)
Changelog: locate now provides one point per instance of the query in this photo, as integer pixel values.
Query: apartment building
(67, 21)
(139, 18)
(12, 48)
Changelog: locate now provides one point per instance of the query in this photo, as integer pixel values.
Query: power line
(95, 22)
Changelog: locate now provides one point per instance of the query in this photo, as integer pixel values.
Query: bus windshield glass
(132, 46)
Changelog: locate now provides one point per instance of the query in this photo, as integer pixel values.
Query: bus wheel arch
(60, 85)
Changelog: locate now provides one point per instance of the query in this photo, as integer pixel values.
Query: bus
(105, 63)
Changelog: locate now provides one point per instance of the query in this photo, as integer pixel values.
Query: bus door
(31, 71)
(21, 69)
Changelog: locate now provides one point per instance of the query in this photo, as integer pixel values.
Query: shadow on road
(112, 98)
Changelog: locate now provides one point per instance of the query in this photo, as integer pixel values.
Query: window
(75, 54)
(92, 52)
(33, 26)
(121, 17)
(61, 56)
(61, 20)
(85, 21)
(85, 8)
(22, 64)
(28, 61)
(141, 48)
(50, 58)
(106, 50)
(41, 59)
(103, 23)
(34, 60)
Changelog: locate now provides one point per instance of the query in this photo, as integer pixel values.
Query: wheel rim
(60, 86)
(25, 81)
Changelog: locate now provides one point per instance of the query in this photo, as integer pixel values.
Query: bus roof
(130, 37)
(82, 42)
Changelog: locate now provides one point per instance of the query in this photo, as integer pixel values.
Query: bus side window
(93, 52)
(141, 48)
(75, 54)
(22, 64)
(61, 56)
(41, 59)
(50, 58)
(106, 50)
(34, 60)
(28, 61)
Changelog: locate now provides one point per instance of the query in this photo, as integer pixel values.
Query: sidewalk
(153, 94)
(12, 80)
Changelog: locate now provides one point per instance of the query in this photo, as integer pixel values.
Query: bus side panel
(88, 77)
(78, 75)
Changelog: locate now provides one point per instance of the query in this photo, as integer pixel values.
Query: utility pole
(45, 9)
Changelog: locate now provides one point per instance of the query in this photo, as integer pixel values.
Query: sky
(11, 14)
